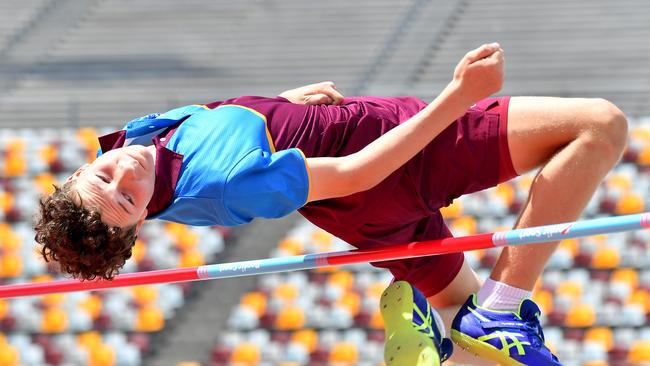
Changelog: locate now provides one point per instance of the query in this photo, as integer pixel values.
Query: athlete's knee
(607, 131)
(612, 123)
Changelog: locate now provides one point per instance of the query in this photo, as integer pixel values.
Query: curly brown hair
(76, 238)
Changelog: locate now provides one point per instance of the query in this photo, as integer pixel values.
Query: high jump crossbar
(532, 235)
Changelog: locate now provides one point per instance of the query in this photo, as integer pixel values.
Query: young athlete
(372, 171)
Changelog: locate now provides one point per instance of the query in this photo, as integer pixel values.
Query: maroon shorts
(470, 155)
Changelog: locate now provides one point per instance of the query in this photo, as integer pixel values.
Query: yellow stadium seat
(139, 251)
(149, 319)
(322, 239)
(544, 299)
(644, 156)
(55, 320)
(188, 363)
(525, 182)
(4, 309)
(290, 318)
(188, 241)
(453, 211)
(256, 301)
(595, 363)
(89, 340)
(44, 183)
(580, 315)
(630, 203)
(599, 239)
(92, 305)
(144, 295)
(466, 225)
(640, 133)
(102, 355)
(639, 353)
(331, 269)
(88, 138)
(307, 337)
(569, 289)
(342, 279)
(42, 278)
(506, 192)
(571, 245)
(48, 153)
(52, 300)
(175, 230)
(619, 182)
(191, 258)
(246, 354)
(626, 275)
(642, 298)
(602, 335)
(375, 289)
(345, 353)
(8, 355)
(11, 265)
(9, 240)
(286, 292)
(15, 146)
(6, 201)
(15, 166)
(291, 246)
(376, 320)
(5, 228)
(351, 301)
(606, 258)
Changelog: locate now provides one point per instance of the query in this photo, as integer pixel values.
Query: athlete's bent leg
(577, 141)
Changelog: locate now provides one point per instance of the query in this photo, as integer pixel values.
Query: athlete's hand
(312, 94)
(479, 73)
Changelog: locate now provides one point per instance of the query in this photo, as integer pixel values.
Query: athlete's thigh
(539, 126)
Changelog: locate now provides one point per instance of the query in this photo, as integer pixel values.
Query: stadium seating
(594, 296)
(80, 328)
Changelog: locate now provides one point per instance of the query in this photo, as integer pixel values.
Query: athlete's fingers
(328, 88)
(493, 59)
(315, 99)
(481, 52)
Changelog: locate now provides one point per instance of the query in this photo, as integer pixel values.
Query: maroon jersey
(469, 155)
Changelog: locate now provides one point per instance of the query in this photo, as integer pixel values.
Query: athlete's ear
(75, 175)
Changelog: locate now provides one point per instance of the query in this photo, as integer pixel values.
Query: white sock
(439, 322)
(499, 296)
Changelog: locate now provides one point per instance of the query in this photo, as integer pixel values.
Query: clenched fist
(479, 73)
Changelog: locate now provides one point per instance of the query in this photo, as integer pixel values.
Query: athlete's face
(119, 184)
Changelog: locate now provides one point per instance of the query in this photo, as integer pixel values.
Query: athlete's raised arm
(478, 75)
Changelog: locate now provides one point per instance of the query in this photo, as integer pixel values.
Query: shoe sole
(404, 345)
(482, 349)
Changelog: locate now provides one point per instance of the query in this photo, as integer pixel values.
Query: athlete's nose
(125, 170)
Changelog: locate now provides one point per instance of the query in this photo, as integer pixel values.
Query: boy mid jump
(372, 171)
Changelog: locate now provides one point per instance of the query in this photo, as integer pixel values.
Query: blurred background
(72, 70)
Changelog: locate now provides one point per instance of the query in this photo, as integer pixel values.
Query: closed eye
(103, 178)
(128, 198)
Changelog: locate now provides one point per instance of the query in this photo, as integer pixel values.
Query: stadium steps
(562, 48)
(175, 51)
(194, 331)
